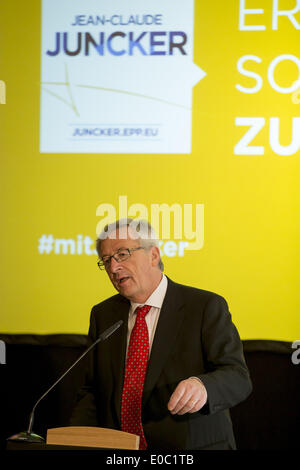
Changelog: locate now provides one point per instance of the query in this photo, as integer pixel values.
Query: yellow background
(252, 230)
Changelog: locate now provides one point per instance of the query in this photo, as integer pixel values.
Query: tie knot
(143, 310)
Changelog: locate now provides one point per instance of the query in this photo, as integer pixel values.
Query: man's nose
(114, 265)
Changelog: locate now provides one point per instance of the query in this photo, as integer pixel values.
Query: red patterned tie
(135, 371)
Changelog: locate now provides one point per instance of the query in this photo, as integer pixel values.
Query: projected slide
(117, 78)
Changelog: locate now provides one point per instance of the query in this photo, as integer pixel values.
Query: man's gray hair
(140, 230)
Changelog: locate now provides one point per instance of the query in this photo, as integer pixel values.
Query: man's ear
(155, 254)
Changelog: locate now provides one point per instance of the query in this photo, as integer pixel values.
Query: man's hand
(189, 396)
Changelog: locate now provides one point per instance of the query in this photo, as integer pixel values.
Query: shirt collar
(156, 298)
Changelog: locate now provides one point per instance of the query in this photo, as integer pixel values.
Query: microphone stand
(29, 436)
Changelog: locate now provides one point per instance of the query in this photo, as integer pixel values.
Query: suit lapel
(168, 327)
(118, 350)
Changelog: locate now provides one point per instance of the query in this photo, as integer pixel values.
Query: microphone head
(110, 330)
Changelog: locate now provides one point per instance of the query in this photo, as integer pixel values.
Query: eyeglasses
(121, 255)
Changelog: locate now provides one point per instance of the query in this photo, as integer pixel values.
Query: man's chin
(124, 287)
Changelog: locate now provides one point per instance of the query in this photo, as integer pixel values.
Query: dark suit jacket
(194, 337)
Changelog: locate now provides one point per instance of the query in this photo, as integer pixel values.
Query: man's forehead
(122, 233)
(120, 238)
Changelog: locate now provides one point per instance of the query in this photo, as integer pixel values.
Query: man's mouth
(122, 280)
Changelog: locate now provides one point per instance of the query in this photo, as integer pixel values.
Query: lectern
(80, 438)
(86, 436)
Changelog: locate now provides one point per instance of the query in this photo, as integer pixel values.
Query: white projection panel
(117, 77)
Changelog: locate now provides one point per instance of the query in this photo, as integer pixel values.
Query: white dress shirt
(155, 300)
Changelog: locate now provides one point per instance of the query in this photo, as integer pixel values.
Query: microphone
(29, 436)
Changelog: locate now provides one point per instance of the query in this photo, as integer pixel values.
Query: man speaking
(175, 367)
